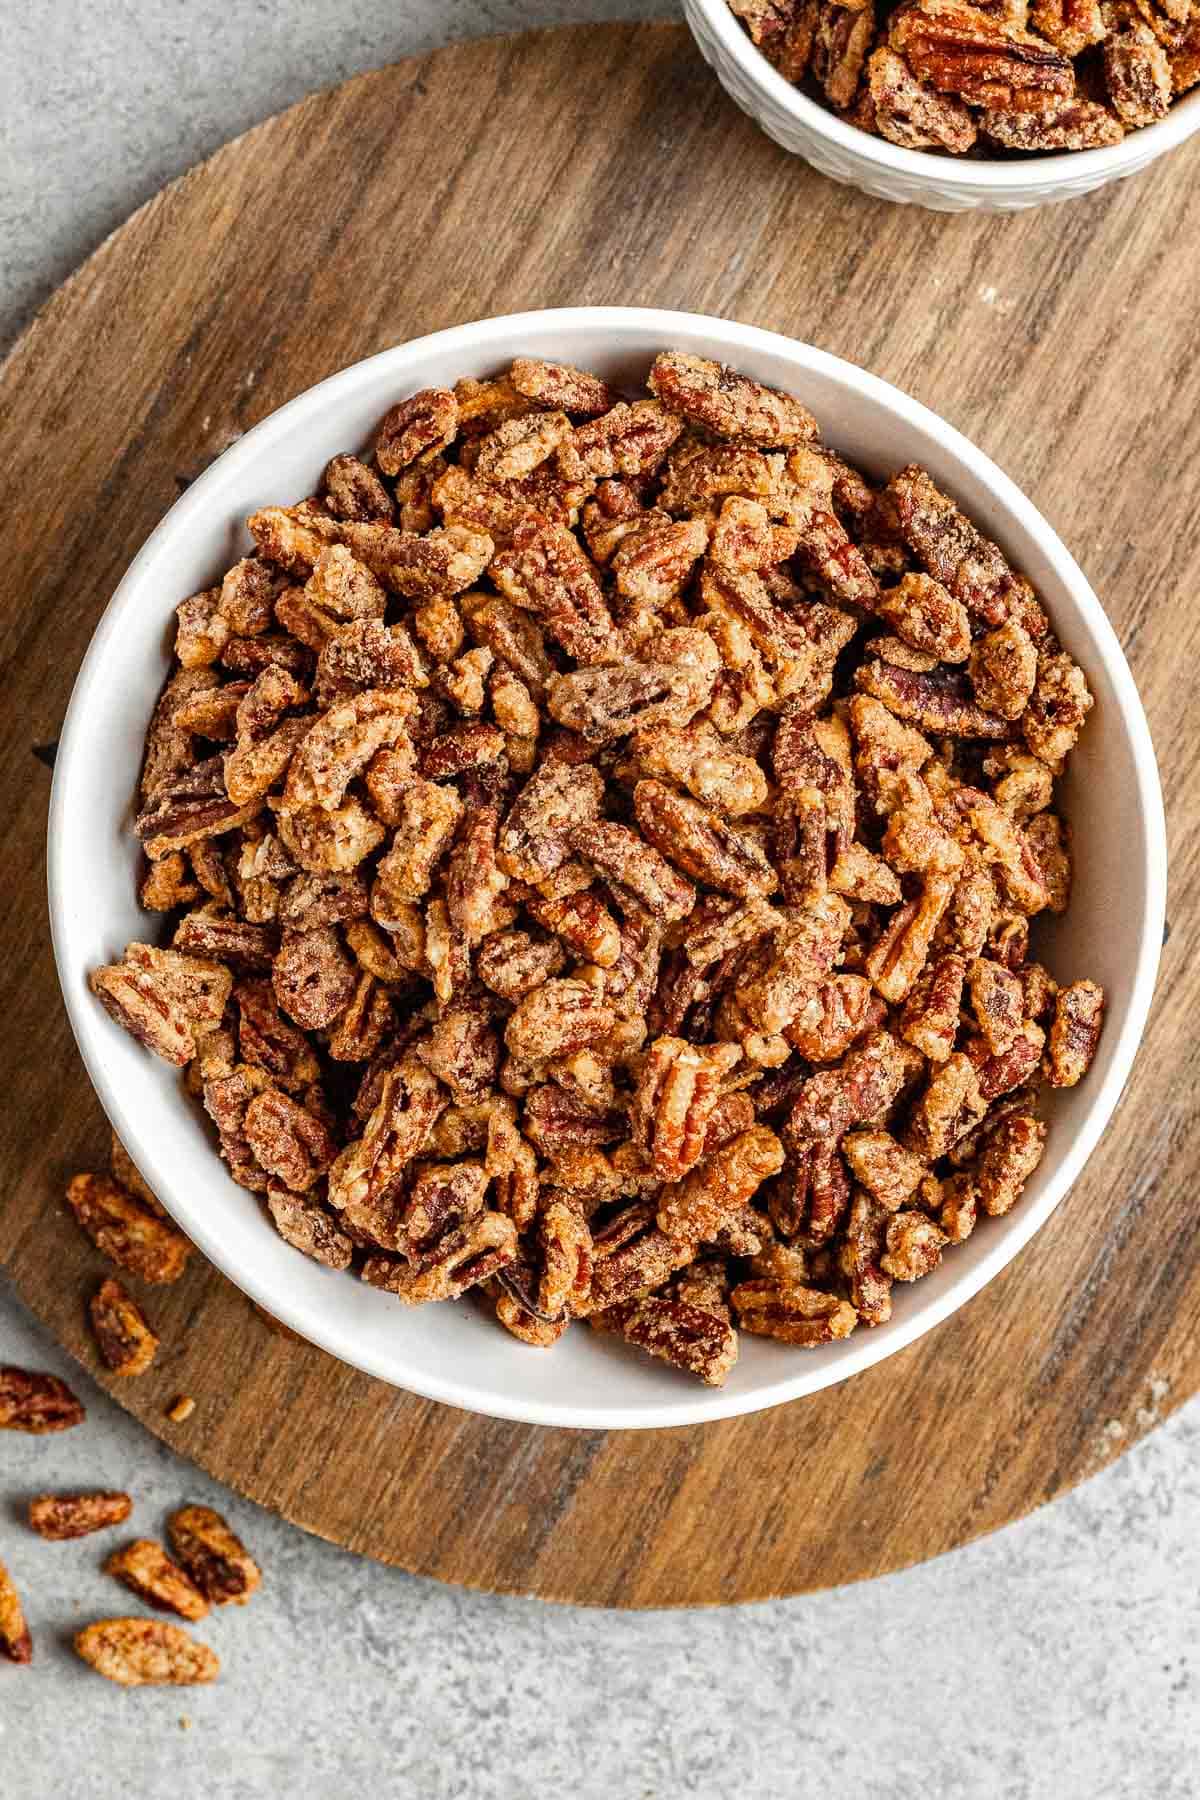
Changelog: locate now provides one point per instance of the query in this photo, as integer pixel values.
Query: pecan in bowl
(646, 896)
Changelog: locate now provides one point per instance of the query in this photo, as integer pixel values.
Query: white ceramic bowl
(453, 1353)
(913, 177)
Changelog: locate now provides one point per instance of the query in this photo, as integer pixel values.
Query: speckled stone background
(1055, 1659)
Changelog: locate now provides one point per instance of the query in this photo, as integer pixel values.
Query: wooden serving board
(603, 164)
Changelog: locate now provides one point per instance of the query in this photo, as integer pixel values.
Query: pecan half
(126, 1341)
(58, 1517)
(213, 1555)
(36, 1403)
(146, 1653)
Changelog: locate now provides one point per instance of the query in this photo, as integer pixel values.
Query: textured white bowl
(913, 177)
(455, 1353)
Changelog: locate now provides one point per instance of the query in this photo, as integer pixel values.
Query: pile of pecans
(601, 836)
(943, 75)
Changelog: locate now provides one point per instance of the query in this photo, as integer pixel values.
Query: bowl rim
(495, 337)
(1134, 151)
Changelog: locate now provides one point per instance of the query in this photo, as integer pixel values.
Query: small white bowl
(454, 1353)
(914, 177)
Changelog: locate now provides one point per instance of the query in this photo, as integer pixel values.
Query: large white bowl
(913, 177)
(453, 1353)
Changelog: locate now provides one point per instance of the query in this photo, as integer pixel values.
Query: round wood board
(483, 179)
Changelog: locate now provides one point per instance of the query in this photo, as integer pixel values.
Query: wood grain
(603, 165)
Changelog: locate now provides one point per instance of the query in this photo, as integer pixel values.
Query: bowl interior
(454, 1353)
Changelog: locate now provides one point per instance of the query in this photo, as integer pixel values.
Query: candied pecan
(561, 1016)
(783, 31)
(960, 50)
(514, 963)
(584, 923)
(16, 1646)
(844, 34)
(162, 998)
(458, 1261)
(910, 112)
(170, 743)
(545, 571)
(560, 385)
(463, 1051)
(1184, 56)
(201, 632)
(1023, 785)
(519, 446)
(428, 421)
(653, 562)
(888, 1171)
(341, 744)
(694, 1209)
(125, 1232)
(249, 656)
(997, 1074)
(366, 653)
(1074, 1033)
(792, 1312)
(334, 840)
(472, 746)
(367, 1174)
(145, 1567)
(215, 1558)
(167, 884)
(145, 1653)
(957, 1205)
(728, 404)
(886, 752)
(62, 1516)
(832, 1015)
(313, 977)
(305, 1224)
(1011, 1154)
(314, 899)
(124, 1337)
(1001, 844)
(1072, 125)
(699, 759)
(248, 594)
(914, 1246)
(674, 1102)
(1057, 710)
(927, 616)
(998, 1002)
(212, 933)
(830, 1102)
(1070, 25)
(268, 1041)
(948, 544)
(353, 491)
(689, 1337)
(443, 1198)
(931, 1013)
(950, 1105)
(287, 1140)
(1048, 840)
(36, 1403)
(534, 837)
(417, 564)
(632, 1258)
(227, 1092)
(1002, 669)
(633, 869)
(698, 841)
(899, 954)
(429, 817)
(939, 701)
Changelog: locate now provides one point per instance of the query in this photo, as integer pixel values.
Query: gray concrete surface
(1056, 1658)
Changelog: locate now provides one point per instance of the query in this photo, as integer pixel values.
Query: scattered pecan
(15, 1642)
(61, 1516)
(124, 1231)
(146, 1653)
(215, 1558)
(36, 1403)
(145, 1567)
(126, 1341)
